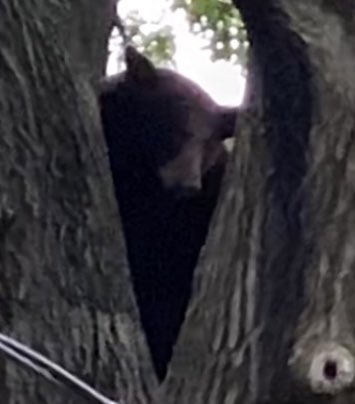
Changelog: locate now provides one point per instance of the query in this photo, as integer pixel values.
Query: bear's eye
(184, 105)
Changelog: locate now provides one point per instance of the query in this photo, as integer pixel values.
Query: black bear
(165, 144)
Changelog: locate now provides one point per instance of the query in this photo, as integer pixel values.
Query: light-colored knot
(332, 369)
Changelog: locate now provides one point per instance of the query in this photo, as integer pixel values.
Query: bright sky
(221, 79)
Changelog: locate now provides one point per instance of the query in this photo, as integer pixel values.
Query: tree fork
(270, 316)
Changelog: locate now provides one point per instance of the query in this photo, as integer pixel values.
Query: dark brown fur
(165, 139)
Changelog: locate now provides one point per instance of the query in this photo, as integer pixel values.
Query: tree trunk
(64, 285)
(271, 316)
(270, 320)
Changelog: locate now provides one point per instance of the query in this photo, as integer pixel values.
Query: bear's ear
(140, 69)
(227, 117)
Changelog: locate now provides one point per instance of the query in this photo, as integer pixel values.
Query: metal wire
(52, 372)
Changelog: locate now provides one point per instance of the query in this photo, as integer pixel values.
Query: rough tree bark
(64, 286)
(270, 320)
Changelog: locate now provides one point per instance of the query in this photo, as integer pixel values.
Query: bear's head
(163, 122)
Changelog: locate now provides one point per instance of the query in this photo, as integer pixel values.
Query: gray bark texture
(272, 316)
(64, 286)
(271, 319)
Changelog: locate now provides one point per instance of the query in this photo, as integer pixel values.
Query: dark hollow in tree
(165, 143)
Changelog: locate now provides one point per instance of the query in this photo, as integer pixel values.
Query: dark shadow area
(165, 143)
